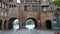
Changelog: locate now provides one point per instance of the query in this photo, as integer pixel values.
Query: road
(26, 32)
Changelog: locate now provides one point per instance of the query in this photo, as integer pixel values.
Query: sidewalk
(24, 31)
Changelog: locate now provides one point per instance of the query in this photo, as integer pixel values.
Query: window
(5, 7)
(0, 3)
(29, 0)
(27, 7)
(34, 7)
(9, 6)
(1, 13)
(36, 0)
(10, 0)
(52, 8)
(6, 4)
(22, 0)
(12, 6)
(44, 8)
(5, 15)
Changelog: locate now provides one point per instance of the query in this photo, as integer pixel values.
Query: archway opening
(31, 23)
(48, 24)
(13, 23)
(0, 23)
(5, 24)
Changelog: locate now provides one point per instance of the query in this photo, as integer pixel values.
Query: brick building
(41, 12)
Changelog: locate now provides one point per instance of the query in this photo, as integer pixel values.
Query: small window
(14, 5)
(52, 8)
(33, 8)
(9, 6)
(1, 14)
(37, 0)
(3, 5)
(27, 7)
(44, 8)
(6, 4)
(10, 0)
(29, 0)
(36, 8)
(0, 3)
(22, 0)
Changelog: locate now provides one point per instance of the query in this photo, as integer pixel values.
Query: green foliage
(57, 3)
(29, 22)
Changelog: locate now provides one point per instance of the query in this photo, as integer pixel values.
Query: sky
(18, 1)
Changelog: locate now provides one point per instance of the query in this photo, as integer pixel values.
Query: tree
(57, 3)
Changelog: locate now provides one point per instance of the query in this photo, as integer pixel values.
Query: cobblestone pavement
(26, 32)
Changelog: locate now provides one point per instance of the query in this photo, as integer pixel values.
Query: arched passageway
(48, 24)
(13, 23)
(31, 23)
(5, 22)
(0, 24)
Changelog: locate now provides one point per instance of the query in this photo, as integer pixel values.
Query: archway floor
(30, 26)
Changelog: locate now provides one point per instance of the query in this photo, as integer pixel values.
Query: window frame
(27, 7)
(10, 0)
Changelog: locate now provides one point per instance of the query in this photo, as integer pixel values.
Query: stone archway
(13, 23)
(0, 24)
(48, 24)
(5, 22)
(30, 23)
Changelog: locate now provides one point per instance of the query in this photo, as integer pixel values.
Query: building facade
(38, 12)
(3, 13)
(8, 11)
(41, 11)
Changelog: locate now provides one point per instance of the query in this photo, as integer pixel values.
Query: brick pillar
(52, 25)
(7, 25)
(39, 24)
(21, 25)
(2, 25)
